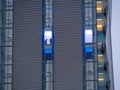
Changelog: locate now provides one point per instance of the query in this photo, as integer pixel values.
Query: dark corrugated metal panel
(27, 46)
(68, 45)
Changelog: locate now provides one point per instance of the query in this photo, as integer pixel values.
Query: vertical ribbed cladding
(27, 45)
(68, 45)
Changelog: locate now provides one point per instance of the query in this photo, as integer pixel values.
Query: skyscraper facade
(55, 45)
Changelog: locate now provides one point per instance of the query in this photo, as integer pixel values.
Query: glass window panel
(99, 5)
(101, 78)
(48, 3)
(89, 55)
(9, 19)
(48, 51)
(90, 85)
(100, 37)
(9, 4)
(8, 78)
(49, 72)
(8, 69)
(89, 71)
(8, 86)
(8, 55)
(100, 58)
(100, 22)
(48, 56)
(89, 59)
(88, 36)
(99, 45)
(8, 74)
(8, 36)
(88, 49)
(8, 61)
(48, 37)
(88, 16)
(99, 27)
(88, 1)
(101, 70)
(8, 51)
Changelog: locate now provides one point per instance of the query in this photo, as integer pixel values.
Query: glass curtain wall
(6, 44)
(47, 45)
(90, 81)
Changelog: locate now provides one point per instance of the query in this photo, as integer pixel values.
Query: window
(88, 15)
(48, 51)
(48, 57)
(89, 71)
(100, 37)
(48, 37)
(49, 4)
(88, 49)
(100, 24)
(7, 86)
(88, 36)
(90, 85)
(89, 55)
(88, 1)
(101, 78)
(100, 58)
(49, 76)
(9, 19)
(8, 36)
(99, 5)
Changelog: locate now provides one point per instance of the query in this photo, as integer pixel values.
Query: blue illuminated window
(88, 49)
(48, 51)
(89, 52)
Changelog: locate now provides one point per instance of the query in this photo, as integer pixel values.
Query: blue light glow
(88, 49)
(48, 51)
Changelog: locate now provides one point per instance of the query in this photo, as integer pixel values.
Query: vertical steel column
(47, 45)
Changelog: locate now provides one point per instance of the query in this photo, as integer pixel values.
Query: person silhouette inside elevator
(48, 41)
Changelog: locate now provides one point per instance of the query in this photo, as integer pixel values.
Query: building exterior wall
(55, 45)
(27, 45)
(68, 45)
(109, 46)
